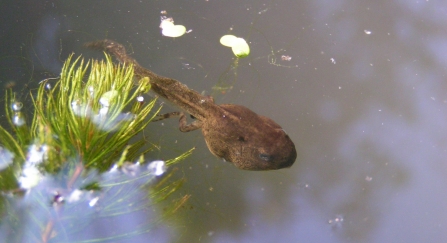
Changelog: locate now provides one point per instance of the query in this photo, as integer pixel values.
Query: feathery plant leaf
(87, 112)
(88, 121)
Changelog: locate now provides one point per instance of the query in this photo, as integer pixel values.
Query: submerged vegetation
(82, 148)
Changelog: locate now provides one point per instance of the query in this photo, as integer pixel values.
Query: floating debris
(10, 84)
(58, 199)
(286, 58)
(336, 222)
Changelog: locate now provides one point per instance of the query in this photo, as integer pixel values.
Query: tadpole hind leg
(183, 123)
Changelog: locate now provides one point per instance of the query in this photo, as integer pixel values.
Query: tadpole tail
(119, 51)
(114, 48)
(168, 88)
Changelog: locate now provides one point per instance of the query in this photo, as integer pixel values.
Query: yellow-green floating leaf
(240, 48)
(238, 45)
(228, 40)
(171, 30)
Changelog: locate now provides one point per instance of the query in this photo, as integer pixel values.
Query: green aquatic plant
(240, 49)
(238, 45)
(82, 145)
(90, 114)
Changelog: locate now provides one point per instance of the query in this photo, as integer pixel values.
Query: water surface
(363, 97)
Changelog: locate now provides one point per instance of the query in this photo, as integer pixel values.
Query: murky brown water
(364, 98)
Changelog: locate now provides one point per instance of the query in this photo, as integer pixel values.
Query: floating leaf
(238, 45)
(240, 48)
(171, 30)
(175, 31)
(166, 23)
(228, 40)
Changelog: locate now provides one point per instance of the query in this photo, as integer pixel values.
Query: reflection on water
(70, 214)
(31, 175)
(50, 184)
(6, 158)
(363, 97)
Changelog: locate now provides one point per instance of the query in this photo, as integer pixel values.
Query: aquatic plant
(168, 28)
(238, 45)
(83, 147)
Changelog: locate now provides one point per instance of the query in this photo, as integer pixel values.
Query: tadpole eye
(266, 157)
(241, 139)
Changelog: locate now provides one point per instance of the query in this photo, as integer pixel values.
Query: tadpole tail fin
(119, 52)
(114, 48)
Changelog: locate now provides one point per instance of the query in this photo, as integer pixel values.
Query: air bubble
(91, 90)
(18, 120)
(17, 106)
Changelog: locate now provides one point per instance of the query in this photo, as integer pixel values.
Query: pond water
(360, 87)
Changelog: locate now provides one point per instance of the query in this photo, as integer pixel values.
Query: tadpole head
(274, 153)
(248, 140)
